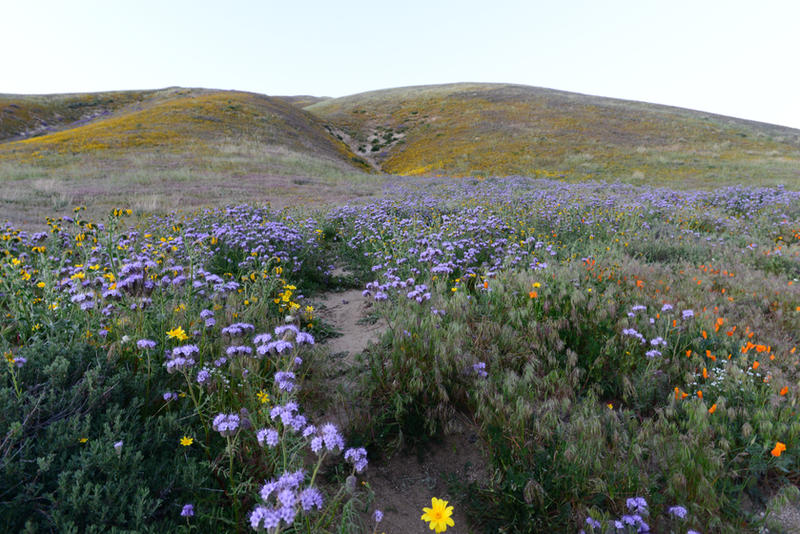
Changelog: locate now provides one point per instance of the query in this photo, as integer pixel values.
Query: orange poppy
(779, 448)
(785, 390)
(713, 408)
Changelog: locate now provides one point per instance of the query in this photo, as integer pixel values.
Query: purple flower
(637, 505)
(686, 314)
(238, 349)
(118, 446)
(170, 396)
(268, 436)
(287, 514)
(226, 424)
(280, 330)
(278, 346)
(304, 337)
(309, 498)
(593, 523)
(678, 511)
(377, 515)
(263, 517)
(331, 437)
(287, 497)
(298, 422)
(202, 376)
(285, 380)
(285, 412)
(188, 510)
(357, 457)
(262, 338)
(480, 369)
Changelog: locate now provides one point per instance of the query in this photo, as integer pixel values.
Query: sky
(732, 57)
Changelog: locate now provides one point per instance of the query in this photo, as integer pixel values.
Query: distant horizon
(797, 128)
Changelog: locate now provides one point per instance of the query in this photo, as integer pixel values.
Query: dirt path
(347, 311)
(404, 483)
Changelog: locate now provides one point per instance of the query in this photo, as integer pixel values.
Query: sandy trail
(404, 483)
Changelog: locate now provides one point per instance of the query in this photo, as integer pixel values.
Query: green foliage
(60, 469)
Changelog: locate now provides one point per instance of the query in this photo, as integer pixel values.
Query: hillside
(161, 150)
(497, 129)
(163, 120)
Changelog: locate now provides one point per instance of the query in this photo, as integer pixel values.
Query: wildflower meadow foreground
(627, 357)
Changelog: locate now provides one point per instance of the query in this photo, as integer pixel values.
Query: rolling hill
(167, 149)
(183, 148)
(168, 120)
(500, 129)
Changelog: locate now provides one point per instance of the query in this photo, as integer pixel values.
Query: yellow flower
(186, 441)
(83, 440)
(438, 515)
(177, 333)
(262, 396)
(40, 285)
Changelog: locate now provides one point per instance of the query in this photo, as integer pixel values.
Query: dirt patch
(348, 313)
(404, 484)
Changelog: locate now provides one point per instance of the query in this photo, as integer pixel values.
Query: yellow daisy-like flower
(177, 333)
(438, 515)
(186, 441)
(263, 396)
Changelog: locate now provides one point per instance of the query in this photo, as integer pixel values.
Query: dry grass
(184, 148)
(491, 129)
(178, 149)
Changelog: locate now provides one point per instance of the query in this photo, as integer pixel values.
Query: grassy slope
(496, 129)
(166, 149)
(176, 120)
(27, 115)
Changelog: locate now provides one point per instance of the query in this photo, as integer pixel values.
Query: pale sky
(733, 57)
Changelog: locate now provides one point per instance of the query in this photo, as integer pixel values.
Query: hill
(166, 120)
(160, 150)
(501, 129)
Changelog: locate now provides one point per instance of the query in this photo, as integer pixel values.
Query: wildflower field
(625, 355)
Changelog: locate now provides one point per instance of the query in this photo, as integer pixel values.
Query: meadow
(625, 355)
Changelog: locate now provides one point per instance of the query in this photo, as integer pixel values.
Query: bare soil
(403, 483)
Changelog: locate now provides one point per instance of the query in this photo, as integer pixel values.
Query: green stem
(316, 469)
